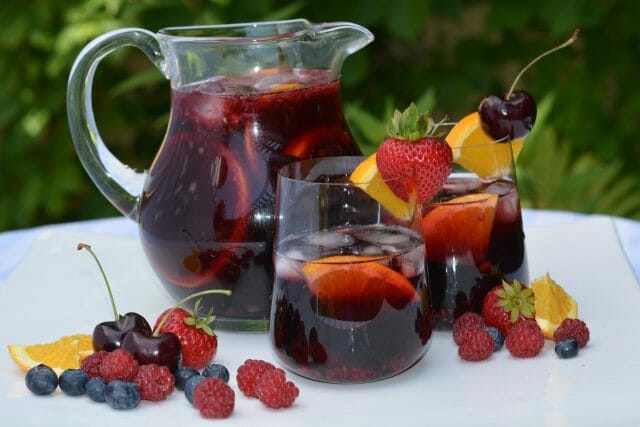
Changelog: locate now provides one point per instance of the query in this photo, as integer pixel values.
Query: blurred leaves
(446, 56)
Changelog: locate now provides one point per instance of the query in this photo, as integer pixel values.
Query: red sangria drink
(474, 239)
(351, 304)
(207, 210)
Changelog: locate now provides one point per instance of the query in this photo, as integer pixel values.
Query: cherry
(161, 349)
(511, 116)
(108, 335)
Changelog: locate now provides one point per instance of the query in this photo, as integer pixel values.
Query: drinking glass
(350, 299)
(473, 231)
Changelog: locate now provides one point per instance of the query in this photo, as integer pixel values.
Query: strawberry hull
(207, 210)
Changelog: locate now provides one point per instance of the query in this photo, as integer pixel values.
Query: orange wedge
(459, 227)
(488, 159)
(367, 178)
(552, 304)
(353, 287)
(66, 353)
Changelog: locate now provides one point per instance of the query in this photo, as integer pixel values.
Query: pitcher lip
(235, 31)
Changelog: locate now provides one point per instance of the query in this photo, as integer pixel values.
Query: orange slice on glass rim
(552, 305)
(488, 159)
(353, 287)
(460, 226)
(368, 179)
(66, 353)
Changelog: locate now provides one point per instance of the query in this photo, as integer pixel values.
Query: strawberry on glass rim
(411, 153)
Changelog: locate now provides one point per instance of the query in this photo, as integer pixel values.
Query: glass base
(240, 325)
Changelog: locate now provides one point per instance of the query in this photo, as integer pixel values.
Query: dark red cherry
(508, 119)
(108, 335)
(163, 349)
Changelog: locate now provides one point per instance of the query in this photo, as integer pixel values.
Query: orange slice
(66, 353)
(367, 178)
(460, 227)
(353, 288)
(488, 159)
(552, 304)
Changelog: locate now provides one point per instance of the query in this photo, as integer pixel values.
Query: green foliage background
(583, 156)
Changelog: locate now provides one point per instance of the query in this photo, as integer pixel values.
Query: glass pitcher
(246, 99)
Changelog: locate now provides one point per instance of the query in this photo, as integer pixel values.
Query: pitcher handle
(119, 183)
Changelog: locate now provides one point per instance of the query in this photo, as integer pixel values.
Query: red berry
(249, 373)
(507, 304)
(463, 323)
(273, 389)
(572, 328)
(91, 364)
(525, 339)
(198, 342)
(214, 398)
(478, 344)
(118, 365)
(155, 382)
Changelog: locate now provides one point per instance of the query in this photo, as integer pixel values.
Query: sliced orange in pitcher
(354, 287)
(460, 226)
(552, 304)
(366, 177)
(488, 159)
(66, 353)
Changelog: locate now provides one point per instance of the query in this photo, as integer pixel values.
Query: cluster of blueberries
(42, 380)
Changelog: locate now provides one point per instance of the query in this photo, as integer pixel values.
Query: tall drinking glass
(473, 231)
(350, 298)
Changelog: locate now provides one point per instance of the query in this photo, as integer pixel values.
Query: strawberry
(506, 304)
(197, 340)
(412, 150)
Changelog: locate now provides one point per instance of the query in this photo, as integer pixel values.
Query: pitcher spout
(344, 38)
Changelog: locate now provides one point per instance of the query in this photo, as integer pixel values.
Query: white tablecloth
(15, 244)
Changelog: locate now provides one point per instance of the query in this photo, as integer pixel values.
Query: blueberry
(73, 382)
(96, 389)
(498, 338)
(182, 375)
(41, 380)
(122, 395)
(567, 348)
(190, 385)
(216, 370)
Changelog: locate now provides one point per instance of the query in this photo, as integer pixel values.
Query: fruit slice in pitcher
(317, 142)
(353, 287)
(459, 226)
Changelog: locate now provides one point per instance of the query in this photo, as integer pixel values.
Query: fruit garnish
(507, 304)
(488, 159)
(552, 305)
(65, 353)
(511, 116)
(108, 335)
(525, 339)
(353, 288)
(460, 226)
(413, 154)
(368, 179)
(573, 329)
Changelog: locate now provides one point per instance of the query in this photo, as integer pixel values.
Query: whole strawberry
(506, 304)
(412, 150)
(197, 340)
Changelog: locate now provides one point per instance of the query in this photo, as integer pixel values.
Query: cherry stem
(156, 332)
(106, 281)
(572, 39)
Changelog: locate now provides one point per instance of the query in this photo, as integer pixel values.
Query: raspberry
(249, 373)
(467, 320)
(478, 344)
(525, 339)
(155, 382)
(118, 365)
(214, 398)
(274, 390)
(91, 364)
(572, 328)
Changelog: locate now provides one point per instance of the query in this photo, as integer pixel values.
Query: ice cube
(330, 239)
(366, 249)
(412, 263)
(385, 235)
(287, 268)
(500, 188)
